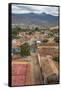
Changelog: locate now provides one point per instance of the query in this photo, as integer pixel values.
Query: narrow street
(36, 72)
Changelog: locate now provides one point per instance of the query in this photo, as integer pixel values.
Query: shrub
(56, 59)
(56, 39)
(45, 41)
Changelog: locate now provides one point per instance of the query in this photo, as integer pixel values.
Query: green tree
(30, 33)
(36, 29)
(45, 41)
(56, 39)
(25, 50)
(16, 30)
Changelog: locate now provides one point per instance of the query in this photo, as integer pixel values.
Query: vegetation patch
(56, 59)
(25, 49)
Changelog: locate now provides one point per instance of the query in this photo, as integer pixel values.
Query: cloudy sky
(21, 9)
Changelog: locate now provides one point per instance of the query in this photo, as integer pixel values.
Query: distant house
(20, 35)
(39, 42)
(15, 46)
(15, 50)
(14, 41)
(46, 50)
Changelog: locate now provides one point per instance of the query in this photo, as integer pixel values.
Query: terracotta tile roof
(21, 74)
(48, 67)
(48, 51)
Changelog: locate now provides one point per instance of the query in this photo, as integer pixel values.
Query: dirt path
(36, 72)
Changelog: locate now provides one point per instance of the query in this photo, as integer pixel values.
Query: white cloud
(19, 9)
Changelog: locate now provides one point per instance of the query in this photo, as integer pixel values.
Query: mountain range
(42, 19)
